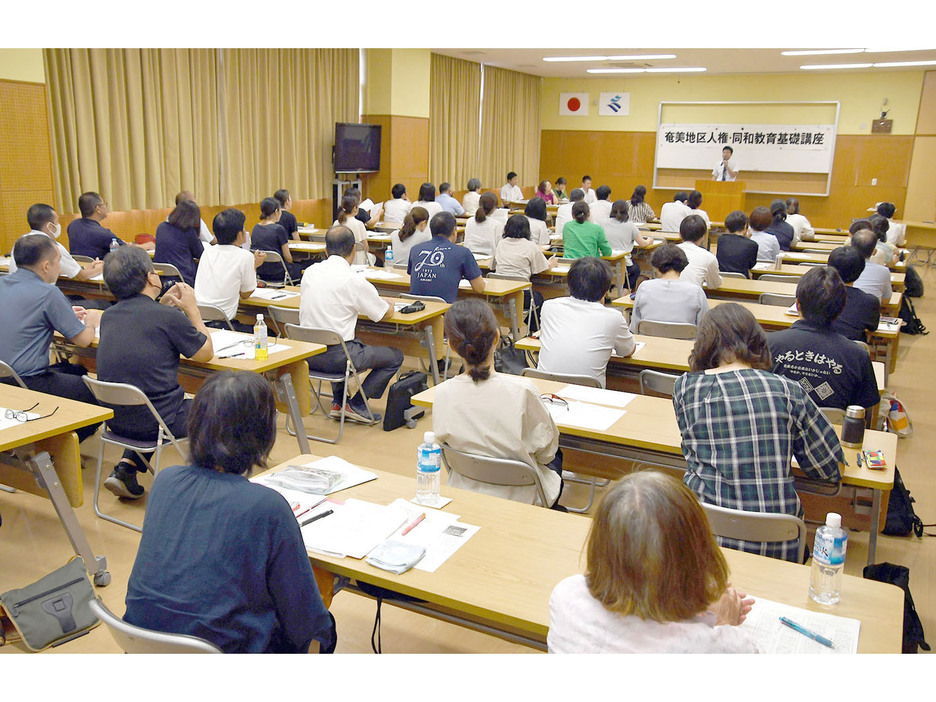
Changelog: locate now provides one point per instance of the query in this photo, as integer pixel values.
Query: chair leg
(97, 494)
(591, 495)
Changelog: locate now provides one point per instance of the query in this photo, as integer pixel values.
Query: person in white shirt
(427, 195)
(695, 199)
(518, 256)
(226, 272)
(493, 414)
(590, 195)
(43, 220)
(578, 333)
(726, 169)
(600, 210)
(875, 279)
(347, 217)
(896, 231)
(332, 297)
(564, 212)
(537, 212)
(703, 266)
(511, 192)
(203, 232)
(623, 234)
(655, 580)
(768, 246)
(470, 201)
(482, 232)
(415, 230)
(802, 229)
(666, 298)
(395, 210)
(673, 213)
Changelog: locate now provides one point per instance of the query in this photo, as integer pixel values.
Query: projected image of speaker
(357, 148)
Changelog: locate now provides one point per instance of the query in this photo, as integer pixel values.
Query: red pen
(412, 526)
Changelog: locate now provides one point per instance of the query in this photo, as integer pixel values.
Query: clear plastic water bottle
(388, 258)
(825, 581)
(428, 469)
(114, 245)
(260, 339)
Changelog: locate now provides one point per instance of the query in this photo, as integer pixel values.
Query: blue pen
(806, 632)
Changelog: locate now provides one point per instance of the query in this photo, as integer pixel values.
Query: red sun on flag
(574, 104)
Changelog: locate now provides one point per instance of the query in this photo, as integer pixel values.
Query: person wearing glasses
(32, 309)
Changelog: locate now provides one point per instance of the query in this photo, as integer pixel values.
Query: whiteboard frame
(838, 108)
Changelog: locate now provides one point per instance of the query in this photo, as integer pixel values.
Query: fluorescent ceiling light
(647, 70)
(895, 64)
(575, 58)
(833, 66)
(616, 70)
(645, 57)
(688, 69)
(821, 52)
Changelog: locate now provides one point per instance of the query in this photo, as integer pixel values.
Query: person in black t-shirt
(269, 235)
(287, 219)
(779, 227)
(834, 371)
(736, 253)
(862, 311)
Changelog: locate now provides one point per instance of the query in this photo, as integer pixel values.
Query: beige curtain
(279, 108)
(454, 121)
(136, 125)
(510, 127)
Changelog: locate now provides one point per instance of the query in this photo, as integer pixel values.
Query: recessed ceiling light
(896, 64)
(833, 66)
(820, 52)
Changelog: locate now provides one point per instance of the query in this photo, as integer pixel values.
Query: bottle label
(430, 460)
(829, 549)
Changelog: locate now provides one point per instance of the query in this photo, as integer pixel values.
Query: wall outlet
(874, 181)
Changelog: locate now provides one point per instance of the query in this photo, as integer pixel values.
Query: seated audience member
(778, 225)
(802, 229)
(511, 192)
(666, 298)
(518, 256)
(638, 211)
(600, 210)
(834, 371)
(32, 308)
(287, 219)
(896, 231)
(875, 279)
(583, 238)
(673, 213)
(564, 212)
(885, 252)
(694, 202)
(560, 190)
(395, 210)
(655, 580)
(332, 297)
(483, 231)
(544, 191)
(578, 333)
(449, 203)
(862, 312)
(43, 220)
(736, 253)
(269, 235)
(472, 197)
(140, 344)
(436, 267)
(427, 195)
(856, 226)
(227, 272)
(177, 240)
(347, 217)
(209, 530)
(86, 236)
(415, 230)
(729, 462)
(703, 266)
(204, 234)
(536, 214)
(768, 247)
(368, 218)
(589, 194)
(622, 235)
(494, 414)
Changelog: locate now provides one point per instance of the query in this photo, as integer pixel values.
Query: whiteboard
(788, 148)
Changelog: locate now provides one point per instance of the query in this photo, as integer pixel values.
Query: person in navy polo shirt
(437, 266)
(86, 236)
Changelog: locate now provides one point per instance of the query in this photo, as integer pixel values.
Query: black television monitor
(357, 148)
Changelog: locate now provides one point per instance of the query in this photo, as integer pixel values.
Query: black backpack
(913, 283)
(912, 323)
(899, 575)
(901, 519)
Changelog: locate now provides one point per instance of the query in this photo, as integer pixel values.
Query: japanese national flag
(573, 104)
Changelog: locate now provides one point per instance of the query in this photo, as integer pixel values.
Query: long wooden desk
(794, 272)
(41, 457)
(648, 432)
(753, 288)
(500, 581)
(552, 282)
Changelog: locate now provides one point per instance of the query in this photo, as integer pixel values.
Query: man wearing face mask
(44, 221)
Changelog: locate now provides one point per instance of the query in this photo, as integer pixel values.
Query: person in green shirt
(582, 238)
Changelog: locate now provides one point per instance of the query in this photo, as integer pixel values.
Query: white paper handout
(12, 422)
(376, 274)
(585, 415)
(763, 266)
(763, 625)
(231, 344)
(558, 269)
(348, 475)
(353, 529)
(596, 396)
(439, 532)
(792, 311)
(273, 294)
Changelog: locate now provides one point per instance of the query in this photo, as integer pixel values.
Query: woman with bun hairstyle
(582, 238)
(483, 231)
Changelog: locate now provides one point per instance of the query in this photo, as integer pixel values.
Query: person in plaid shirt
(742, 424)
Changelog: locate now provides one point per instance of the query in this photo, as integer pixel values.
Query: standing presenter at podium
(726, 169)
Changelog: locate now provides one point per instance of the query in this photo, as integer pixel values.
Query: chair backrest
(124, 395)
(863, 345)
(82, 259)
(211, 313)
(135, 639)
(503, 276)
(657, 383)
(768, 278)
(167, 270)
(401, 264)
(312, 335)
(816, 251)
(424, 298)
(284, 315)
(732, 274)
(835, 415)
(494, 471)
(585, 380)
(669, 330)
(776, 299)
(6, 371)
(277, 257)
(756, 526)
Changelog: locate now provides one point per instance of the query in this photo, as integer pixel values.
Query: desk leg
(513, 317)
(619, 273)
(431, 347)
(326, 585)
(874, 526)
(285, 392)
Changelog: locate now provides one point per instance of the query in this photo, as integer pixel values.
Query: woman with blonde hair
(655, 580)
(415, 230)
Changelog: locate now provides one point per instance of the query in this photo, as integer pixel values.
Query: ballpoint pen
(412, 526)
(806, 632)
(317, 516)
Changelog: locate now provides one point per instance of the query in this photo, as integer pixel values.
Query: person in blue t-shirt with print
(438, 266)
